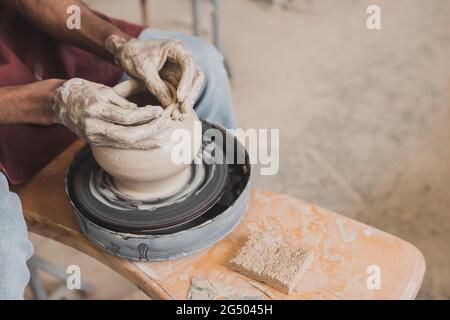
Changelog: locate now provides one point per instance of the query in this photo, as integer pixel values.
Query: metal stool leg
(144, 12)
(217, 33)
(36, 285)
(215, 13)
(197, 17)
(36, 263)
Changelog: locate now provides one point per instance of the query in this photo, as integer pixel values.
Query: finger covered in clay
(126, 116)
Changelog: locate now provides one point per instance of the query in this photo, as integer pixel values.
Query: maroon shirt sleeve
(28, 55)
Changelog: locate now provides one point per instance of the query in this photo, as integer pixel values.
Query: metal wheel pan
(198, 235)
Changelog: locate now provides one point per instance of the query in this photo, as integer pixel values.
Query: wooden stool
(346, 253)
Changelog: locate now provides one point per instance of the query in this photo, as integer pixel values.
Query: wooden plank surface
(344, 250)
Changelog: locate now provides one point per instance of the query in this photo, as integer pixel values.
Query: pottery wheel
(204, 211)
(93, 192)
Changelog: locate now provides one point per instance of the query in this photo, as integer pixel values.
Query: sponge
(274, 263)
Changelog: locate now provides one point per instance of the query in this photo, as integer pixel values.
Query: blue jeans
(214, 104)
(15, 248)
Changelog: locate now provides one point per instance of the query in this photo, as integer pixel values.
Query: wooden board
(346, 252)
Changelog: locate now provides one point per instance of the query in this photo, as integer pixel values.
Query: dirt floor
(364, 116)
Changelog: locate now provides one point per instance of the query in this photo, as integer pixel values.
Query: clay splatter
(183, 277)
(368, 231)
(345, 235)
(208, 289)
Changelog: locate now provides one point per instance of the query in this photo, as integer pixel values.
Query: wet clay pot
(150, 174)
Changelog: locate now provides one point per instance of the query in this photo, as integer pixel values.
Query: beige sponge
(275, 263)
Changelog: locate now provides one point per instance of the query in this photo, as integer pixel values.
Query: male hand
(99, 115)
(156, 60)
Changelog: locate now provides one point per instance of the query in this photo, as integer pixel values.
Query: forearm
(51, 16)
(30, 104)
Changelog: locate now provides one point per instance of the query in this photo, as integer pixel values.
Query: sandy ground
(364, 116)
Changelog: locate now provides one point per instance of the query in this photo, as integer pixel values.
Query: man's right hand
(156, 61)
(98, 114)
